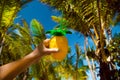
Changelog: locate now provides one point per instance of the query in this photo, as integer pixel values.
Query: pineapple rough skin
(61, 43)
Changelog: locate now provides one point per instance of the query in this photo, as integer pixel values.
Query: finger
(52, 50)
(46, 42)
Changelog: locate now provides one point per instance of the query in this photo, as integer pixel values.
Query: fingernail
(56, 49)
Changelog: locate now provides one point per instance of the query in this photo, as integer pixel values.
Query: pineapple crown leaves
(59, 32)
(61, 29)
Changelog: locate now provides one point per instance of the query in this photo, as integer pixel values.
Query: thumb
(51, 50)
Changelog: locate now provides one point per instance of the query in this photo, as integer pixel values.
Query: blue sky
(43, 13)
(39, 11)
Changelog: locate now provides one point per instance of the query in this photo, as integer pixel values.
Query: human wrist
(36, 54)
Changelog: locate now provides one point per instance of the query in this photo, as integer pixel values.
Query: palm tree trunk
(93, 66)
(1, 47)
(104, 66)
(2, 42)
(93, 38)
(89, 65)
(77, 60)
(95, 31)
(1, 11)
(104, 71)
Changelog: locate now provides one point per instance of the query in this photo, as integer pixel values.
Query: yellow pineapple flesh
(61, 43)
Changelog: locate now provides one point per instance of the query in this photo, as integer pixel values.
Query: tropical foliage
(93, 19)
(8, 11)
(17, 40)
(45, 69)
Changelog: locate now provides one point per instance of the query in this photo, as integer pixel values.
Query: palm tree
(8, 39)
(91, 18)
(8, 11)
(13, 48)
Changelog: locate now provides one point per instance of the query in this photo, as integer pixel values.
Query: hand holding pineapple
(58, 40)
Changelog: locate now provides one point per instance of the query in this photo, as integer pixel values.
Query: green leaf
(36, 29)
(68, 32)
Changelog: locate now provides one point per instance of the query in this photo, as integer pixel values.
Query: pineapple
(59, 41)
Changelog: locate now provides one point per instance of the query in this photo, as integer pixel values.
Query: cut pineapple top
(61, 43)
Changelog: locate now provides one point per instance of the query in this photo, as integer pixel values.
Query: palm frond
(36, 29)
